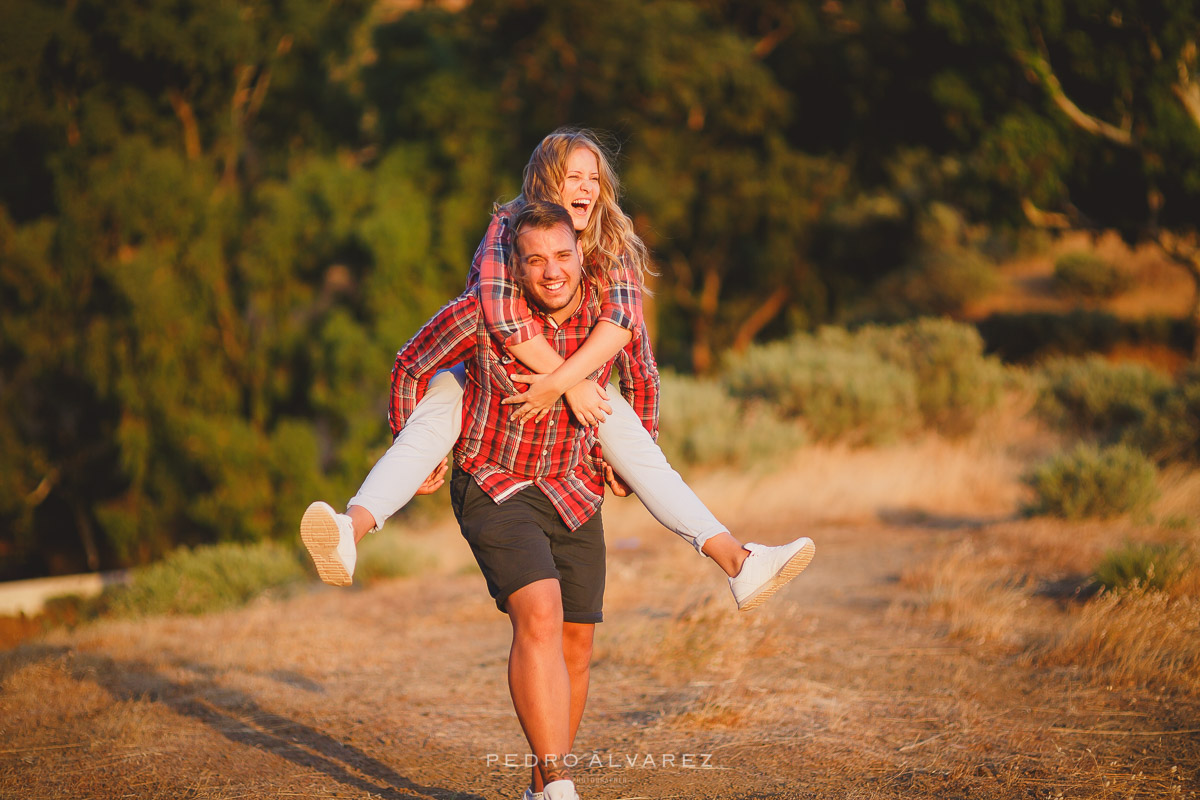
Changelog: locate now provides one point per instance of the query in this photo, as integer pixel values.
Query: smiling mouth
(554, 287)
(581, 205)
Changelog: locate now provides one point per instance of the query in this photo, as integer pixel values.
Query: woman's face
(580, 188)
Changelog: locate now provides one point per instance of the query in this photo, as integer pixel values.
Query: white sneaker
(560, 790)
(530, 794)
(329, 537)
(768, 569)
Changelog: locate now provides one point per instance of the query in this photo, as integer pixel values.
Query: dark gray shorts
(523, 540)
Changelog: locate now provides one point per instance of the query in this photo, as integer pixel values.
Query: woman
(572, 168)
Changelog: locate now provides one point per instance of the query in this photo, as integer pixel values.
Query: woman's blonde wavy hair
(609, 239)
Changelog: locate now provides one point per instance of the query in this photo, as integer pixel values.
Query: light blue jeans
(435, 424)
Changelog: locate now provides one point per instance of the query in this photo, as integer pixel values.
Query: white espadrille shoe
(768, 569)
(329, 537)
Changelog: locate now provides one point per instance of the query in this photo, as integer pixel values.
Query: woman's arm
(559, 377)
(621, 305)
(503, 303)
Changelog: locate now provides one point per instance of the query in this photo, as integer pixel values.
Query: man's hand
(588, 401)
(435, 479)
(614, 481)
(535, 402)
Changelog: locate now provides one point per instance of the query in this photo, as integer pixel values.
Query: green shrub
(1141, 564)
(1086, 275)
(1094, 482)
(1096, 397)
(391, 554)
(955, 381)
(701, 424)
(938, 281)
(1170, 431)
(842, 390)
(206, 579)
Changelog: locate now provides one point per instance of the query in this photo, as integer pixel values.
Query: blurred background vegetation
(219, 221)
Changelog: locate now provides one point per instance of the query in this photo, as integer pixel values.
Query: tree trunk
(1194, 315)
(191, 131)
(706, 315)
(761, 317)
(1185, 251)
(88, 537)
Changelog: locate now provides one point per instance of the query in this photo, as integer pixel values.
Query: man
(527, 496)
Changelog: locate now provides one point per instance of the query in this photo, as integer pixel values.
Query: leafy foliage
(946, 270)
(206, 579)
(701, 424)
(842, 391)
(1033, 335)
(1125, 403)
(1142, 565)
(956, 383)
(1098, 398)
(391, 555)
(1172, 431)
(1094, 482)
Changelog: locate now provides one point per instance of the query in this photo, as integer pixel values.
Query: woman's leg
(640, 462)
(755, 571)
(428, 435)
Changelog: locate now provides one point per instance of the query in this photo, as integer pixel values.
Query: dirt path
(833, 689)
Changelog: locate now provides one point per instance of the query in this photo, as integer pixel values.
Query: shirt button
(552, 422)
(544, 452)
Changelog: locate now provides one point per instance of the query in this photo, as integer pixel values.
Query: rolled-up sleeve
(621, 302)
(638, 375)
(446, 339)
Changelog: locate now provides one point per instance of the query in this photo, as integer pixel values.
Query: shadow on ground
(236, 716)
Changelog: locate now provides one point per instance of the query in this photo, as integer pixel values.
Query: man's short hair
(540, 215)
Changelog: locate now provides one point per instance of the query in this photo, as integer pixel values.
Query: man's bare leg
(577, 652)
(538, 678)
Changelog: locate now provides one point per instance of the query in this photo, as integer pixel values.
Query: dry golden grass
(1180, 501)
(1144, 638)
(1026, 586)
(977, 598)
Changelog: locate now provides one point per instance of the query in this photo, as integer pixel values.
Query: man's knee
(536, 610)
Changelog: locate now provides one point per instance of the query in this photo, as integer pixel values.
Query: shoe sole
(794, 566)
(321, 536)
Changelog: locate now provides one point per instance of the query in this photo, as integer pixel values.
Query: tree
(142, 402)
(1112, 137)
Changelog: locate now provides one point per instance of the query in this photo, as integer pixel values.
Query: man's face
(551, 267)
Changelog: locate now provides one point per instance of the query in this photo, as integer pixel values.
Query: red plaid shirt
(509, 316)
(558, 455)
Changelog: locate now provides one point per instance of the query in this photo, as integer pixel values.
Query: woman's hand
(536, 401)
(435, 479)
(588, 402)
